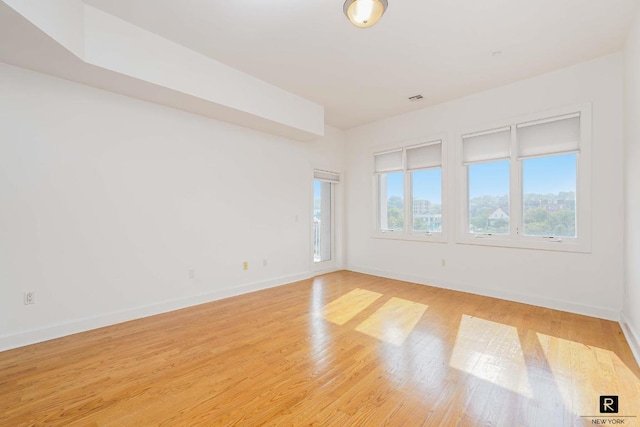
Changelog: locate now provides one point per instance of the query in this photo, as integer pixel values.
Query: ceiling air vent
(415, 98)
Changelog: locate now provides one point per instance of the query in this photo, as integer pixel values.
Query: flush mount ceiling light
(364, 13)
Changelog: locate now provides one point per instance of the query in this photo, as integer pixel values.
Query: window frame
(407, 233)
(516, 237)
(335, 179)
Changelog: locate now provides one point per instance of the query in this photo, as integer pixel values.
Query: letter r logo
(608, 404)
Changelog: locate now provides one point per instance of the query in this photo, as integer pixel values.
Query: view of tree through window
(489, 197)
(549, 189)
(391, 186)
(426, 188)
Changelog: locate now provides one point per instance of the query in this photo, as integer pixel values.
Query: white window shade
(389, 161)
(326, 176)
(485, 146)
(552, 136)
(424, 156)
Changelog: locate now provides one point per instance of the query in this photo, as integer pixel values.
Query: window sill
(414, 237)
(568, 245)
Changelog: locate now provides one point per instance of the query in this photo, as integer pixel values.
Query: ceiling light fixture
(364, 13)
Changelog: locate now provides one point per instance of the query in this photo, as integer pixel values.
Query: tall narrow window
(549, 151)
(323, 208)
(489, 198)
(426, 193)
(486, 156)
(549, 190)
(424, 162)
(390, 198)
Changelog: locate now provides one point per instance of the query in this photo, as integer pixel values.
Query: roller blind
(483, 146)
(424, 156)
(551, 136)
(389, 161)
(326, 176)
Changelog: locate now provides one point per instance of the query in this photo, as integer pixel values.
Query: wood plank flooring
(343, 349)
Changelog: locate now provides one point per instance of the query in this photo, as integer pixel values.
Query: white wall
(107, 202)
(585, 283)
(631, 311)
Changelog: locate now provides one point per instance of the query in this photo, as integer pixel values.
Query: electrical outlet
(29, 298)
(444, 262)
(245, 265)
(264, 262)
(192, 274)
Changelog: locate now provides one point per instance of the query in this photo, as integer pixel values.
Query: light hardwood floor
(343, 349)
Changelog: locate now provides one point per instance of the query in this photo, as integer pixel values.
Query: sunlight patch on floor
(583, 373)
(394, 321)
(491, 351)
(348, 306)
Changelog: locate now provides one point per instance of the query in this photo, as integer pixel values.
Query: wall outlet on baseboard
(192, 273)
(264, 262)
(29, 298)
(444, 262)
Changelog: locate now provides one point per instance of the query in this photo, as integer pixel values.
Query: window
(526, 184)
(324, 184)
(549, 190)
(486, 155)
(408, 184)
(488, 207)
(548, 150)
(424, 163)
(391, 187)
(321, 221)
(426, 196)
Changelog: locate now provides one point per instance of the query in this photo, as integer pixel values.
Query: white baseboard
(21, 339)
(599, 312)
(322, 271)
(632, 336)
(24, 338)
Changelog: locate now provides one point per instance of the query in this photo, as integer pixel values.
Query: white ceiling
(441, 49)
